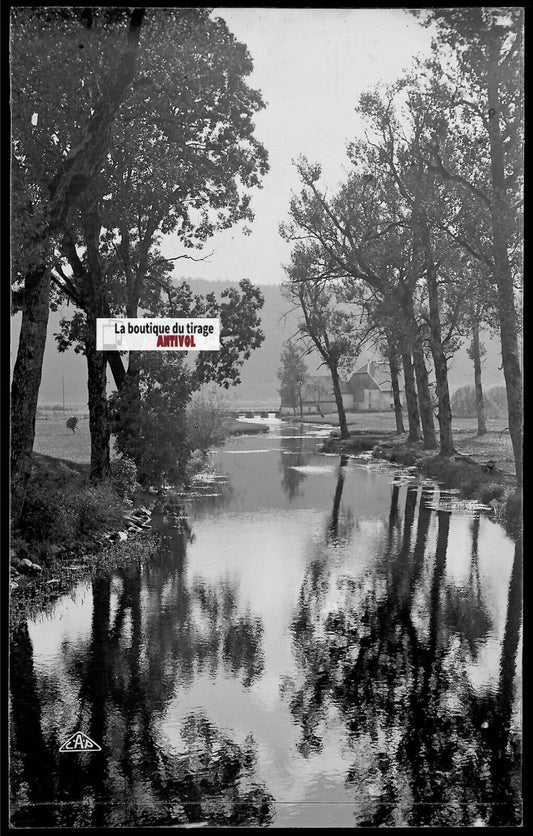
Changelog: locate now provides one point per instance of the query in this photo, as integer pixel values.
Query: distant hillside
(259, 381)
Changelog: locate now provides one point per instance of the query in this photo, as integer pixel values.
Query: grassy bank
(236, 427)
(38, 594)
(495, 445)
(70, 527)
(481, 480)
(64, 513)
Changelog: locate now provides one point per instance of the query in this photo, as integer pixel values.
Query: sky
(311, 66)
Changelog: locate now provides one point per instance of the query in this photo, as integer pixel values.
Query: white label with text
(123, 334)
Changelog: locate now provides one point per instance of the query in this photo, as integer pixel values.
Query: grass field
(52, 438)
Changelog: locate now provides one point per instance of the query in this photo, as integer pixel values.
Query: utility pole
(63, 381)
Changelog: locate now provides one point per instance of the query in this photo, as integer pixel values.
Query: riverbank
(72, 528)
(494, 446)
(482, 480)
(236, 427)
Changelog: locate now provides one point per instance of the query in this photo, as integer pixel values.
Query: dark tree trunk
(134, 282)
(339, 401)
(502, 273)
(511, 365)
(424, 396)
(65, 188)
(98, 411)
(395, 375)
(411, 399)
(475, 353)
(116, 366)
(133, 289)
(133, 407)
(96, 360)
(440, 362)
(27, 374)
(422, 381)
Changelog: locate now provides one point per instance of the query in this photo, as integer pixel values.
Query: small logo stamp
(80, 742)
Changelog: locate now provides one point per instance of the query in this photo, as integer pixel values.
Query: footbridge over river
(255, 411)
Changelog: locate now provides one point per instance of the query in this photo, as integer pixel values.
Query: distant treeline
(463, 402)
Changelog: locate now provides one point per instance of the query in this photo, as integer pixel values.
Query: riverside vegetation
(70, 525)
(473, 480)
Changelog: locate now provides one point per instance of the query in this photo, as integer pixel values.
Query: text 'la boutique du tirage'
(123, 334)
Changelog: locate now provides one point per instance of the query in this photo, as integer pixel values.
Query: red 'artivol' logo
(80, 742)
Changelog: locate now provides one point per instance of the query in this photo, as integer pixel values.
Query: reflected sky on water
(320, 648)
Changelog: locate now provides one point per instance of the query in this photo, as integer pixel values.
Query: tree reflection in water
(292, 455)
(341, 525)
(149, 639)
(309, 650)
(466, 613)
(390, 652)
(393, 659)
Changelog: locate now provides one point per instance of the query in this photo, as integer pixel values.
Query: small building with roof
(369, 389)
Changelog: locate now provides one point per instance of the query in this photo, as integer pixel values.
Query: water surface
(318, 648)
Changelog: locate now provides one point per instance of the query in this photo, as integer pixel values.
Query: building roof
(377, 375)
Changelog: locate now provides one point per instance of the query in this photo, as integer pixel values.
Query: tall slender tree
(292, 374)
(334, 331)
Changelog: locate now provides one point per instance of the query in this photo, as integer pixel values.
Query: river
(320, 646)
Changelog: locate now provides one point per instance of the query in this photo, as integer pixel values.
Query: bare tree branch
(161, 260)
